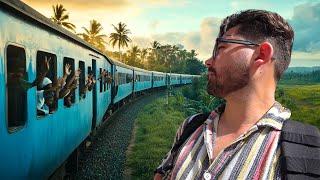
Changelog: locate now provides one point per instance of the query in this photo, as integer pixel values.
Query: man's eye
(220, 48)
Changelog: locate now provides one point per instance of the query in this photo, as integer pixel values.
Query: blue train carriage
(32, 145)
(175, 79)
(158, 79)
(123, 81)
(186, 78)
(142, 79)
(102, 90)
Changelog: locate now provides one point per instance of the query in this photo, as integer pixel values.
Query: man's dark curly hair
(260, 26)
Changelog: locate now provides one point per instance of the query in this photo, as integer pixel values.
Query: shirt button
(207, 176)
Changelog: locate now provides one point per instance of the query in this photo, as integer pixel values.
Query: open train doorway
(94, 96)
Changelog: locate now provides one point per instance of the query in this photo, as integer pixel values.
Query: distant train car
(186, 78)
(123, 81)
(175, 79)
(35, 145)
(142, 79)
(158, 79)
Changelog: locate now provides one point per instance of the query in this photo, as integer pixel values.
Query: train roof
(118, 63)
(175, 74)
(30, 14)
(141, 70)
(157, 72)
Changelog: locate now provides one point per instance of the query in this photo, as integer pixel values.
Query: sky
(193, 24)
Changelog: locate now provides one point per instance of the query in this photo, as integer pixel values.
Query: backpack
(300, 148)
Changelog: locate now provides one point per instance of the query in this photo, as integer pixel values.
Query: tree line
(301, 78)
(157, 57)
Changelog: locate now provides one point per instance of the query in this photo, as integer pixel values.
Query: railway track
(105, 157)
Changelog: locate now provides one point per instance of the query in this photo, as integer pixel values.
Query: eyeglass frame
(234, 41)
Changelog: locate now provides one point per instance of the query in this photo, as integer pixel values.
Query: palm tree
(120, 36)
(182, 54)
(192, 54)
(134, 52)
(93, 36)
(61, 18)
(143, 54)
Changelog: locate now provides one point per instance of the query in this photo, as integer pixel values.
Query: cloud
(305, 59)
(106, 5)
(306, 24)
(82, 4)
(154, 25)
(202, 41)
(141, 42)
(169, 38)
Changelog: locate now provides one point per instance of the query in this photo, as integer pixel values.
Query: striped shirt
(253, 155)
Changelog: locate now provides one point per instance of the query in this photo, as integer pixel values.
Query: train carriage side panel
(159, 79)
(123, 82)
(103, 89)
(142, 80)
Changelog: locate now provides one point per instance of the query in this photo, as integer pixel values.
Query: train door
(94, 96)
(112, 83)
(152, 79)
(134, 80)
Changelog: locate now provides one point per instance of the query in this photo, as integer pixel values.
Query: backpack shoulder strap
(300, 148)
(191, 126)
(193, 123)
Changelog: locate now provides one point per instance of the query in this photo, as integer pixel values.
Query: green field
(303, 101)
(155, 129)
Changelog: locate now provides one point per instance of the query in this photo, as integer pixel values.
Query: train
(34, 146)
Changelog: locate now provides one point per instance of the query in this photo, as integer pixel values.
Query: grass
(303, 101)
(156, 126)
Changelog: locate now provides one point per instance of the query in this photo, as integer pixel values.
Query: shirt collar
(273, 118)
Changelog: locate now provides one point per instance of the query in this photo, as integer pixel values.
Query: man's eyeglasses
(234, 41)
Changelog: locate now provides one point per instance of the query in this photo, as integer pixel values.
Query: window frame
(82, 79)
(55, 76)
(73, 69)
(19, 128)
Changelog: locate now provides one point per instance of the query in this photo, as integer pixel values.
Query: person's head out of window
(49, 98)
(46, 84)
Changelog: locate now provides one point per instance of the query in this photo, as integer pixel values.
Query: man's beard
(228, 81)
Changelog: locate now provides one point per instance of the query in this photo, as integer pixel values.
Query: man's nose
(209, 62)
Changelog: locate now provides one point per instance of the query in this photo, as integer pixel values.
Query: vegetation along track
(107, 155)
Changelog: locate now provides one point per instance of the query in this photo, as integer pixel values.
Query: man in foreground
(241, 138)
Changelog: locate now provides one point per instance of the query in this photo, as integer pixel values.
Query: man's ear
(265, 54)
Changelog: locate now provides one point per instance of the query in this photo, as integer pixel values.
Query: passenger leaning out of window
(90, 82)
(45, 97)
(105, 77)
(69, 87)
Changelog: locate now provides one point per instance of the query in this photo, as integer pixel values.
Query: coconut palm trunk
(119, 52)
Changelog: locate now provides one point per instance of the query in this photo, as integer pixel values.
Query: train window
(104, 84)
(82, 81)
(122, 78)
(107, 81)
(128, 78)
(90, 70)
(71, 83)
(47, 101)
(101, 79)
(16, 95)
(116, 82)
